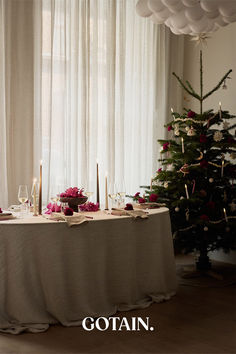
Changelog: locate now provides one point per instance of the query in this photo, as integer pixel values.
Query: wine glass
(88, 190)
(122, 192)
(112, 194)
(23, 197)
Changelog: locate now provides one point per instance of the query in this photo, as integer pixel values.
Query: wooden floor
(196, 321)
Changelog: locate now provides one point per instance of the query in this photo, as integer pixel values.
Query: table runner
(50, 273)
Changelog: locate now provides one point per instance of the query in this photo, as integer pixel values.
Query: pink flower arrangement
(153, 197)
(89, 206)
(72, 193)
(53, 208)
(68, 212)
(129, 207)
(0, 210)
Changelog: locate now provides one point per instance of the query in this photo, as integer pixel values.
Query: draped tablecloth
(50, 273)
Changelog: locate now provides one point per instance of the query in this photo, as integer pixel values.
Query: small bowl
(74, 202)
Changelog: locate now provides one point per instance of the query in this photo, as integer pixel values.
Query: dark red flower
(203, 138)
(211, 205)
(0, 210)
(159, 170)
(136, 195)
(204, 217)
(230, 140)
(165, 146)
(141, 200)
(191, 114)
(203, 164)
(129, 207)
(169, 128)
(68, 212)
(153, 197)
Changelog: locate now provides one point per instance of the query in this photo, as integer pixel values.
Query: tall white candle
(98, 195)
(40, 188)
(106, 193)
(220, 112)
(182, 140)
(226, 218)
(186, 190)
(151, 184)
(172, 112)
(222, 168)
(34, 197)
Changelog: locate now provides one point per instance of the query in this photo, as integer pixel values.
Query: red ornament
(153, 197)
(203, 164)
(204, 217)
(203, 138)
(191, 114)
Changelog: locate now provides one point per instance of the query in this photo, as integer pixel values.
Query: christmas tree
(197, 177)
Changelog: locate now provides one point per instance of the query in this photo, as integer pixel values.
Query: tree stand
(203, 267)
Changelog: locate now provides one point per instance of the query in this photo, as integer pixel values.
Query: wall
(218, 57)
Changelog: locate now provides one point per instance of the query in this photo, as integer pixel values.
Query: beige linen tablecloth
(50, 273)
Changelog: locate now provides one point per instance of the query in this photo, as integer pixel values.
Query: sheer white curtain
(3, 135)
(99, 93)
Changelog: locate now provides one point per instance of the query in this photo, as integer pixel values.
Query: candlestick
(98, 196)
(151, 184)
(40, 188)
(182, 140)
(106, 193)
(186, 190)
(222, 168)
(226, 218)
(34, 197)
(220, 112)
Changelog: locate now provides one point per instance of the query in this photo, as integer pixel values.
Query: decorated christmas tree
(197, 178)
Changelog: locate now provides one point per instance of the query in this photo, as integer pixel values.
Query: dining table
(51, 273)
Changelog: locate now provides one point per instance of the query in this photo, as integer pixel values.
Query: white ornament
(191, 132)
(211, 180)
(181, 198)
(218, 136)
(205, 228)
(176, 130)
(177, 209)
(166, 185)
(226, 125)
(187, 129)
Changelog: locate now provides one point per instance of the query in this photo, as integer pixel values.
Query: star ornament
(218, 136)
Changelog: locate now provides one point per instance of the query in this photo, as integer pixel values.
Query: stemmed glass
(23, 197)
(122, 192)
(112, 194)
(88, 190)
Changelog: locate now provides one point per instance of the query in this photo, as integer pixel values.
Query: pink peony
(89, 206)
(0, 210)
(153, 197)
(129, 207)
(191, 114)
(203, 138)
(141, 200)
(68, 212)
(52, 208)
(72, 193)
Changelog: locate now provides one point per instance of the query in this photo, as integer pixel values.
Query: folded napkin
(134, 213)
(6, 216)
(75, 219)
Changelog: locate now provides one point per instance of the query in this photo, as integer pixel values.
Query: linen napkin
(135, 214)
(6, 216)
(73, 220)
(150, 205)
